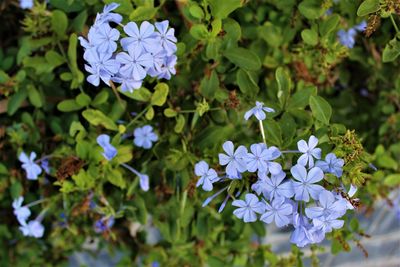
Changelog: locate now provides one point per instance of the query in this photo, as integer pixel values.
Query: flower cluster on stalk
(147, 50)
(282, 195)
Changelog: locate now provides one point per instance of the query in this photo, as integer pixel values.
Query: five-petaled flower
(310, 151)
(275, 187)
(33, 228)
(141, 40)
(144, 137)
(233, 159)
(258, 111)
(21, 212)
(305, 184)
(331, 164)
(248, 208)
(207, 175)
(32, 169)
(278, 211)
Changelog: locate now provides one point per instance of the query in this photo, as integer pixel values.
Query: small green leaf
(34, 97)
(96, 117)
(310, 37)
(221, 9)
(100, 98)
(284, 85)
(169, 113)
(143, 13)
(301, 98)
(199, 32)
(368, 7)
(392, 180)
(141, 94)
(209, 85)
(311, 9)
(83, 99)
(59, 23)
(160, 95)
(391, 51)
(68, 105)
(149, 114)
(115, 177)
(54, 58)
(15, 101)
(321, 109)
(273, 133)
(243, 58)
(196, 11)
(180, 123)
(329, 25)
(246, 83)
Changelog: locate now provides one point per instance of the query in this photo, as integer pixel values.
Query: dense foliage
(94, 148)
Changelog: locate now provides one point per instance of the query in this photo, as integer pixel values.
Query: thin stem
(262, 131)
(138, 116)
(131, 169)
(290, 151)
(116, 93)
(36, 202)
(394, 24)
(194, 110)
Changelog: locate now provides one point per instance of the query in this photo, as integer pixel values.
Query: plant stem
(138, 116)
(394, 23)
(194, 110)
(262, 131)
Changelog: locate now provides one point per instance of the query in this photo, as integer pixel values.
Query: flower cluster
(32, 228)
(347, 38)
(292, 196)
(147, 50)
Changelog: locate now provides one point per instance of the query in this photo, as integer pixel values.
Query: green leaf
(160, 95)
(115, 177)
(83, 99)
(143, 13)
(59, 23)
(54, 58)
(321, 109)
(329, 25)
(100, 98)
(271, 34)
(180, 123)
(34, 96)
(3, 76)
(391, 51)
(310, 37)
(209, 85)
(169, 113)
(368, 7)
(284, 85)
(79, 21)
(141, 94)
(301, 98)
(199, 32)
(243, 58)
(246, 83)
(221, 9)
(196, 11)
(392, 180)
(273, 132)
(311, 9)
(68, 105)
(149, 114)
(83, 180)
(96, 117)
(124, 154)
(15, 101)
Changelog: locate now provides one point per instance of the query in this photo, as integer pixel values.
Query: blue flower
(272, 167)
(275, 188)
(327, 223)
(165, 70)
(33, 228)
(109, 150)
(26, 4)
(257, 159)
(134, 63)
(166, 37)
(144, 182)
(328, 206)
(102, 66)
(248, 208)
(278, 211)
(45, 165)
(143, 40)
(144, 136)
(361, 26)
(233, 159)
(310, 151)
(107, 16)
(331, 165)
(105, 39)
(258, 111)
(207, 175)
(104, 224)
(128, 84)
(347, 38)
(21, 212)
(300, 235)
(32, 169)
(305, 184)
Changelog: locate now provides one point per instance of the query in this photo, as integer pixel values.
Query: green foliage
(231, 53)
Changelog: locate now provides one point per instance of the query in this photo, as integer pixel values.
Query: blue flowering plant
(288, 191)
